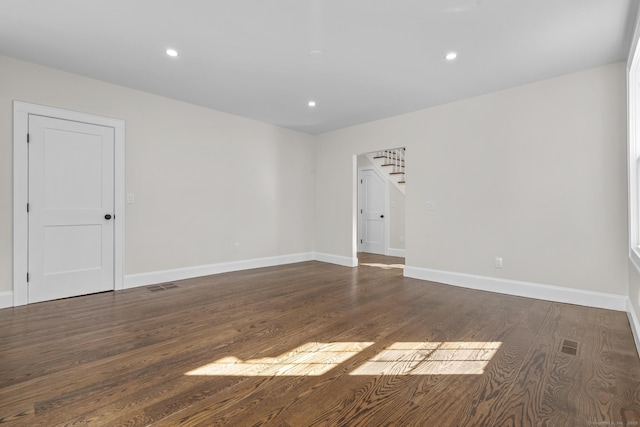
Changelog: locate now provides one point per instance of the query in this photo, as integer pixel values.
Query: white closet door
(71, 205)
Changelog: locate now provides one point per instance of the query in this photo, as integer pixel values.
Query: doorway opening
(380, 205)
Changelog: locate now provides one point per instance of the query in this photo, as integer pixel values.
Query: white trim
(336, 259)
(6, 299)
(397, 252)
(523, 289)
(635, 324)
(355, 224)
(631, 313)
(387, 216)
(20, 219)
(143, 279)
(635, 259)
(21, 112)
(632, 154)
(119, 206)
(633, 49)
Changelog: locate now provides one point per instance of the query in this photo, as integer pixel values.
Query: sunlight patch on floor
(400, 358)
(430, 358)
(382, 266)
(310, 359)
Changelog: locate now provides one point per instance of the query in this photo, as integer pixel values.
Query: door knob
(381, 216)
(107, 216)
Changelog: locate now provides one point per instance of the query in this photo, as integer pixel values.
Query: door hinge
(360, 181)
(360, 210)
(28, 138)
(27, 207)
(27, 277)
(360, 240)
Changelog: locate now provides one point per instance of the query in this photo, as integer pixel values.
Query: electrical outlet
(430, 205)
(236, 247)
(498, 262)
(130, 198)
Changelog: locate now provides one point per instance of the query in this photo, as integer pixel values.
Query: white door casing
(372, 212)
(60, 257)
(71, 205)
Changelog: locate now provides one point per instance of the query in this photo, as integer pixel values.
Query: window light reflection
(400, 358)
(431, 358)
(310, 359)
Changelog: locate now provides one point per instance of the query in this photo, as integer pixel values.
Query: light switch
(130, 198)
(431, 205)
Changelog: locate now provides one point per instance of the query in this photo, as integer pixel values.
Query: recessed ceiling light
(172, 52)
(315, 53)
(451, 56)
(311, 104)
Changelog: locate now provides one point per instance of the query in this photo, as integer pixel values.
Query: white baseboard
(396, 252)
(144, 279)
(635, 324)
(523, 289)
(6, 299)
(336, 259)
(490, 284)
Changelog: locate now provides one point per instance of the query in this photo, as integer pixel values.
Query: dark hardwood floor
(315, 344)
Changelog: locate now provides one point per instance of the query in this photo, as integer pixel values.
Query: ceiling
(360, 60)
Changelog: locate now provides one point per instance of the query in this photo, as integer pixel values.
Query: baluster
(395, 161)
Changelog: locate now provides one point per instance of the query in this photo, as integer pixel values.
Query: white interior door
(372, 206)
(71, 208)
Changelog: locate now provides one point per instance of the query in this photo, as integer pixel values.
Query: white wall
(202, 179)
(397, 214)
(363, 161)
(535, 174)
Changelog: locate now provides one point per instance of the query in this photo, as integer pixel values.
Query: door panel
(71, 189)
(72, 248)
(63, 190)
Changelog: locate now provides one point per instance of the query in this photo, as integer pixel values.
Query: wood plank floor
(315, 344)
